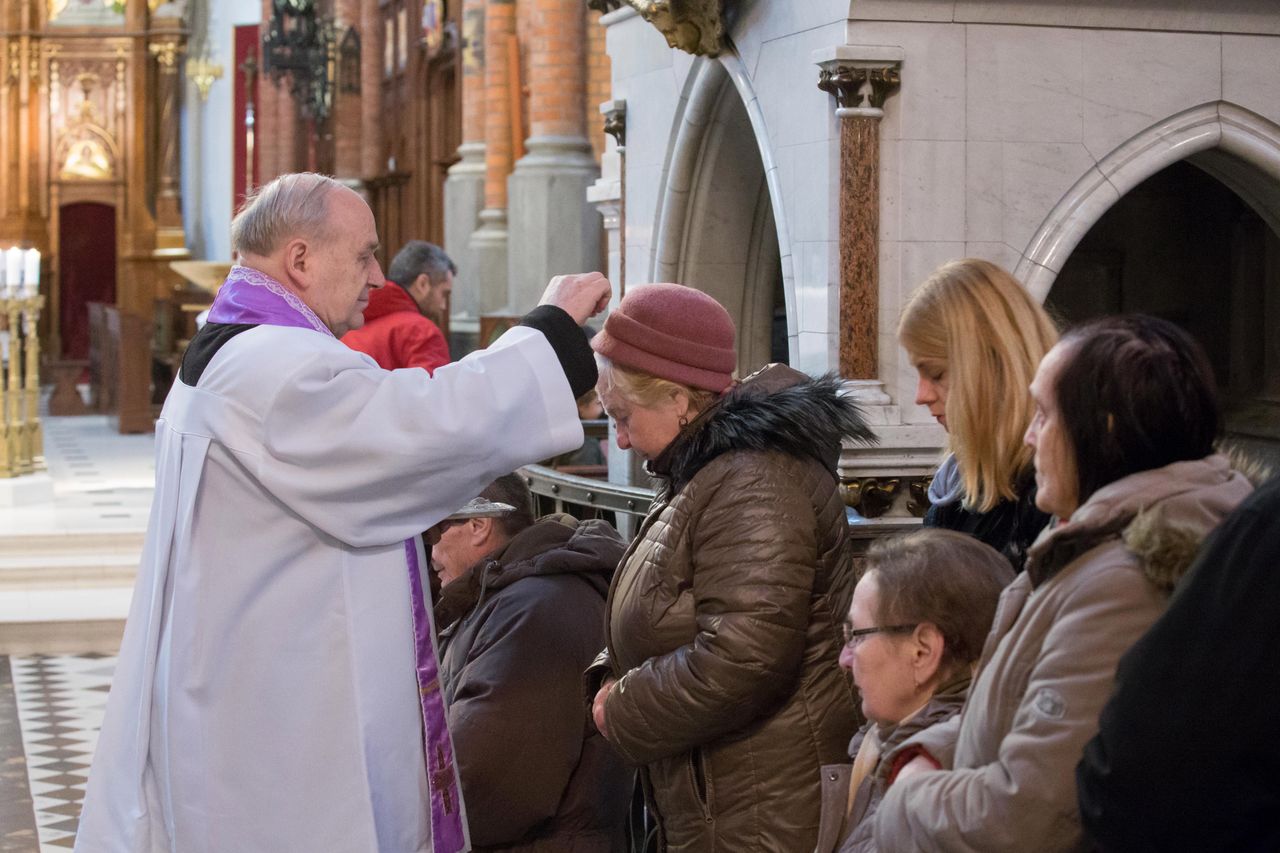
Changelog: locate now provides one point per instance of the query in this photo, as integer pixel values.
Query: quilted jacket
(724, 620)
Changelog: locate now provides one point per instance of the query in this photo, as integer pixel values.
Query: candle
(31, 273)
(13, 270)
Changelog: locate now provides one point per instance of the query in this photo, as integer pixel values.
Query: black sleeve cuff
(570, 345)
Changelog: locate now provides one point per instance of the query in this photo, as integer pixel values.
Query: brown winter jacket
(723, 620)
(1092, 586)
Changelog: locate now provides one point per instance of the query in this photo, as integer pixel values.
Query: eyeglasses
(852, 637)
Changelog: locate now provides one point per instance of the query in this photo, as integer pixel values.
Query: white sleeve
(371, 456)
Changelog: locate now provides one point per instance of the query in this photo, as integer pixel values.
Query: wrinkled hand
(580, 295)
(597, 705)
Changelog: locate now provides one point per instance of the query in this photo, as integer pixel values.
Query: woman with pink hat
(723, 625)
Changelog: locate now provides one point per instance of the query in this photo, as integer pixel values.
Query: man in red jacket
(398, 330)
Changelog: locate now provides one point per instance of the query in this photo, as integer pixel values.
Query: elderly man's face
(346, 267)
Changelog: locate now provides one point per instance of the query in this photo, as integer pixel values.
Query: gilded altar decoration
(694, 26)
(86, 151)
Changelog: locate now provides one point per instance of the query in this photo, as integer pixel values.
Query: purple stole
(252, 296)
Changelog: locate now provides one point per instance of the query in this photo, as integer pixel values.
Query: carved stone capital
(694, 26)
(615, 120)
(854, 73)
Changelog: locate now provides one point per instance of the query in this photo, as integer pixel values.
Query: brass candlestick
(31, 346)
(21, 436)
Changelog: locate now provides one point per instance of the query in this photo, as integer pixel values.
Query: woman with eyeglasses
(915, 630)
(1123, 433)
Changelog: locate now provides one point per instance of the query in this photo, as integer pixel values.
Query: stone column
(347, 118)
(488, 243)
(552, 228)
(853, 75)
(373, 160)
(464, 188)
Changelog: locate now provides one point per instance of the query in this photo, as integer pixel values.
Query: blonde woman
(723, 623)
(975, 337)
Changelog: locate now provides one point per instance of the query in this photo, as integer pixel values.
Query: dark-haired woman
(1123, 436)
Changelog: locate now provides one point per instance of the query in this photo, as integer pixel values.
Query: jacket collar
(776, 408)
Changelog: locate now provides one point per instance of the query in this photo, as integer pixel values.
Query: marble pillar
(464, 187)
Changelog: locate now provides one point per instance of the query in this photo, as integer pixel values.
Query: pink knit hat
(672, 332)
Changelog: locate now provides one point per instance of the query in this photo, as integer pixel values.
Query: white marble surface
(1024, 84)
(1250, 68)
(1134, 79)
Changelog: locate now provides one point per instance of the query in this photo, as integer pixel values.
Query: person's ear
(927, 649)
(421, 286)
(683, 405)
(298, 261)
(481, 529)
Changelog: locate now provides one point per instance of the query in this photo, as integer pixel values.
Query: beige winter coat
(1049, 664)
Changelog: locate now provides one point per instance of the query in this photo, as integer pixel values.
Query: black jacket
(1186, 756)
(517, 630)
(1010, 526)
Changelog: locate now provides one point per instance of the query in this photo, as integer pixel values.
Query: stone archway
(1236, 145)
(717, 228)
(1196, 241)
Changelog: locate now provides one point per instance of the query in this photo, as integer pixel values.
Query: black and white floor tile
(59, 701)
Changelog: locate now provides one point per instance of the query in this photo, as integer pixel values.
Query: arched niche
(717, 229)
(1196, 241)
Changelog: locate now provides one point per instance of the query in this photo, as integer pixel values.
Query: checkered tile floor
(59, 700)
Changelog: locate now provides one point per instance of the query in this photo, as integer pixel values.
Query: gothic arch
(720, 224)
(1235, 145)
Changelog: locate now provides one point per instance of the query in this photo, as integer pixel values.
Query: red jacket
(396, 334)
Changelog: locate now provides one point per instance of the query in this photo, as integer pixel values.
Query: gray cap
(481, 508)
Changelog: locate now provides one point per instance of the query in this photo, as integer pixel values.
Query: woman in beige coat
(1123, 436)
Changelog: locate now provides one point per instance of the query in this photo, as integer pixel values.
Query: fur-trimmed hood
(776, 408)
(1162, 516)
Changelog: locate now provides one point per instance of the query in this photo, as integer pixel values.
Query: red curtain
(86, 270)
(246, 94)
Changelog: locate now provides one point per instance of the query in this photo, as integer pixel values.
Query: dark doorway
(86, 270)
(1183, 246)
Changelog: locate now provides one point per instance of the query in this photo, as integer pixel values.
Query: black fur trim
(806, 419)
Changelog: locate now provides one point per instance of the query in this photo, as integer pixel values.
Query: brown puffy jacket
(723, 620)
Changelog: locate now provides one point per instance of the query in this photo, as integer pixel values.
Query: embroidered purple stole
(252, 296)
(447, 834)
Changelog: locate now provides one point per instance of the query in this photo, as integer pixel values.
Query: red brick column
(499, 27)
(599, 81)
(557, 69)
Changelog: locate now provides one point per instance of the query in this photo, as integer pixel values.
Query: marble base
(553, 229)
(488, 245)
(463, 201)
(26, 490)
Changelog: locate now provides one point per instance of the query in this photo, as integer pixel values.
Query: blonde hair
(643, 389)
(982, 324)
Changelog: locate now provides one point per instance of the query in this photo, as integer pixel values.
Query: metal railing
(557, 491)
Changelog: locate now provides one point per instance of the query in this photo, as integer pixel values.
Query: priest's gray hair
(293, 205)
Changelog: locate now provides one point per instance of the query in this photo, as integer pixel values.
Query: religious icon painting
(86, 13)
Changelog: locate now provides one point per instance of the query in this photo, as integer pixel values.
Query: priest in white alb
(277, 688)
